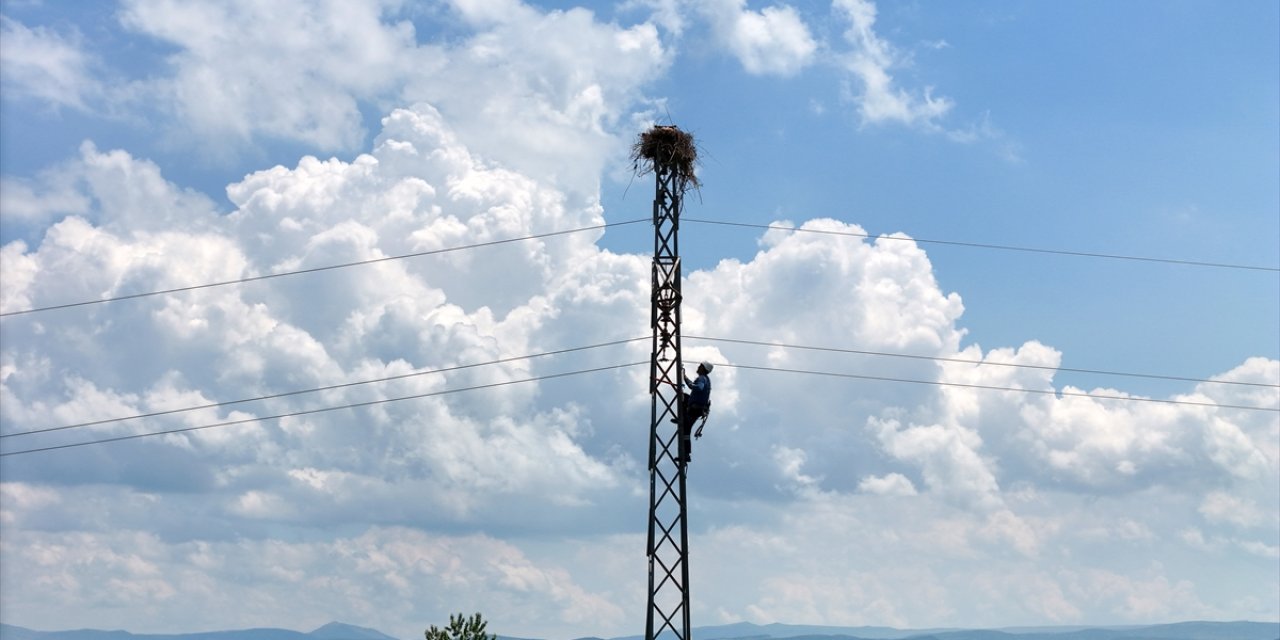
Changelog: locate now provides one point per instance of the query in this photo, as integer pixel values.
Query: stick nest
(666, 146)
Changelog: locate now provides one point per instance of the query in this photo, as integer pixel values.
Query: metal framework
(668, 524)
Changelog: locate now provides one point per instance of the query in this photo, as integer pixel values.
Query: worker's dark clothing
(700, 391)
(696, 404)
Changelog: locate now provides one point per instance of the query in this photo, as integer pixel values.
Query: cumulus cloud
(806, 468)
(891, 484)
(381, 571)
(331, 60)
(879, 99)
(771, 41)
(45, 65)
(839, 561)
(561, 106)
(516, 451)
(316, 214)
(31, 204)
(948, 456)
(1221, 507)
(667, 14)
(325, 58)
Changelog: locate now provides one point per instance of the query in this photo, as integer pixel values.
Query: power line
(1002, 247)
(985, 362)
(995, 388)
(324, 268)
(614, 343)
(621, 366)
(316, 389)
(354, 405)
(627, 222)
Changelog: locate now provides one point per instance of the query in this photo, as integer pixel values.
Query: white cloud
(790, 464)
(664, 13)
(324, 59)
(384, 577)
(1261, 549)
(1148, 595)
(561, 104)
(1108, 444)
(272, 338)
(870, 60)
(40, 201)
(771, 41)
(562, 455)
(484, 13)
(948, 457)
(112, 188)
(43, 64)
(19, 272)
(564, 108)
(17, 497)
(1221, 507)
(892, 484)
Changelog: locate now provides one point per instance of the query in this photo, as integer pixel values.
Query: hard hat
(707, 366)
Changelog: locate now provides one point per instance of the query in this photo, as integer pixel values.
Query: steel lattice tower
(668, 609)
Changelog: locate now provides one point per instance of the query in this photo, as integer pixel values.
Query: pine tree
(461, 628)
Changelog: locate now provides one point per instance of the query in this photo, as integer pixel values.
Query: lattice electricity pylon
(668, 451)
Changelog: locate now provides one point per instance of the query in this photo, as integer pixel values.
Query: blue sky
(147, 145)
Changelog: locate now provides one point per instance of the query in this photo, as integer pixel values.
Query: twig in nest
(669, 147)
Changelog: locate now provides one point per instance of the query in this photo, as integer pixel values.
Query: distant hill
(749, 631)
(339, 631)
(778, 630)
(740, 631)
(1178, 631)
(331, 631)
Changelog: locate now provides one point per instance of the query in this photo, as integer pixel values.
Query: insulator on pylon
(667, 299)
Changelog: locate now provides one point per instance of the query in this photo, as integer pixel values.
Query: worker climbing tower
(670, 154)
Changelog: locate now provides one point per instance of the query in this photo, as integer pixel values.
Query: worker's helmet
(707, 366)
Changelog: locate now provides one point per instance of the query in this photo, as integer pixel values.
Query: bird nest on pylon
(667, 146)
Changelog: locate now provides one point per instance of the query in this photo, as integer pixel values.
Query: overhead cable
(614, 343)
(317, 389)
(628, 222)
(354, 405)
(985, 362)
(324, 268)
(982, 245)
(633, 364)
(996, 388)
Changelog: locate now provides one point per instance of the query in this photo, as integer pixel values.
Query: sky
(148, 145)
